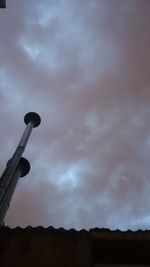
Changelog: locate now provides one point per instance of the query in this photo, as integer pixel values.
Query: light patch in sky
(69, 177)
(46, 57)
(31, 50)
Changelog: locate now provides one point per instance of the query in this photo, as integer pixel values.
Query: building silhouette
(2, 3)
(50, 247)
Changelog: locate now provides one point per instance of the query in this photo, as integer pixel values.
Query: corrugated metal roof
(41, 246)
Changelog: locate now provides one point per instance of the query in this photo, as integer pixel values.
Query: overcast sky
(84, 66)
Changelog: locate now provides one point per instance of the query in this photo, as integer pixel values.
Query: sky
(84, 67)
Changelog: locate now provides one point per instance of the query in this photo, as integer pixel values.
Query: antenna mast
(17, 166)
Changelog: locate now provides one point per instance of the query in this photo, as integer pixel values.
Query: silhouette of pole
(32, 120)
(22, 170)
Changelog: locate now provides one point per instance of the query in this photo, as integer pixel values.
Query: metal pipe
(22, 169)
(32, 120)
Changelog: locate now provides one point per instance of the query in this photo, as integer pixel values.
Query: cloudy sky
(84, 66)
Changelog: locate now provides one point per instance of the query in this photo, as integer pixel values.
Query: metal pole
(32, 120)
(22, 169)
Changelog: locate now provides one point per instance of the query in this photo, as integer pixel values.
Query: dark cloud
(84, 67)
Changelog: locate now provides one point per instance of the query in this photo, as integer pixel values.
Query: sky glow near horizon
(84, 66)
